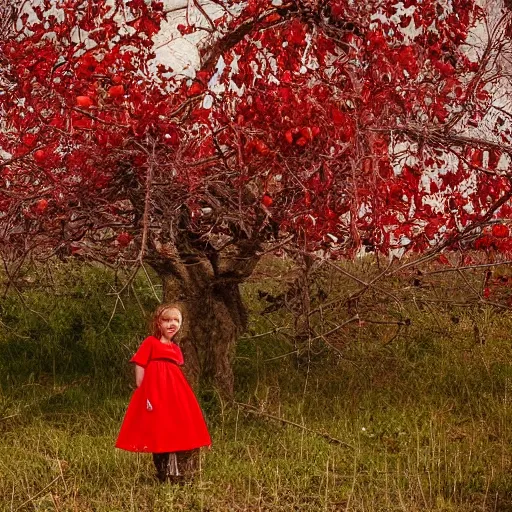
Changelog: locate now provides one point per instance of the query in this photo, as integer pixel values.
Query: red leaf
(307, 132)
(185, 29)
(477, 157)
(195, 89)
(443, 259)
(500, 231)
(444, 68)
(338, 117)
(286, 77)
(484, 242)
(29, 139)
(271, 18)
(149, 26)
(84, 101)
(296, 33)
(116, 91)
(261, 147)
(376, 40)
(123, 239)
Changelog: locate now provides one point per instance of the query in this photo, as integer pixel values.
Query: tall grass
(423, 418)
(71, 321)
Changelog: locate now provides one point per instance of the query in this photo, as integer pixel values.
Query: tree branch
(328, 437)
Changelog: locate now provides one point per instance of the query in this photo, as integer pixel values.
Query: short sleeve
(143, 354)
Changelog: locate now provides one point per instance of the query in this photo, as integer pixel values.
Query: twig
(62, 475)
(365, 285)
(385, 322)
(118, 299)
(468, 267)
(92, 116)
(337, 328)
(200, 8)
(397, 332)
(336, 349)
(281, 356)
(258, 412)
(38, 493)
(10, 416)
(273, 331)
(147, 200)
(150, 282)
(13, 332)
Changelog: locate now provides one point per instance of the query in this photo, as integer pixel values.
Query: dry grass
(427, 417)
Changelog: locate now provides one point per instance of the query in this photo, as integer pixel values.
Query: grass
(429, 434)
(424, 422)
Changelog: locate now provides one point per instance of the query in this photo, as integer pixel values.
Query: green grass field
(419, 423)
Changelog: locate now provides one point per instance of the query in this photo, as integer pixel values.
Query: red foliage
(338, 129)
(123, 239)
(116, 91)
(39, 156)
(500, 231)
(84, 101)
(195, 89)
(41, 205)
(267, 200)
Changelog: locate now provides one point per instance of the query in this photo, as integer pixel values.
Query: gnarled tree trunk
(207, 285)
(215, 317)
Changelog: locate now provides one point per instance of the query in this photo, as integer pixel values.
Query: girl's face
(169, 323)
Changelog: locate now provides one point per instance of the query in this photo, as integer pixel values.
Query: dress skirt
(163, 414)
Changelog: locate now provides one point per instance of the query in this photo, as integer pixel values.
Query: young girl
(163, 416)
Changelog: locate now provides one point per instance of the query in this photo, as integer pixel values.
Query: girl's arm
(139, 375)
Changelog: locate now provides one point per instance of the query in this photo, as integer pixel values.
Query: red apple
(267, 200)
(39, 156)
(41, 205)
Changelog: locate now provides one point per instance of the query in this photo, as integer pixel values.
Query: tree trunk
(206, 284)
(214, 319)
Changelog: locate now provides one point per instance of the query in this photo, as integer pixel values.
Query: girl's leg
(160, 461)
(188, 463)
(166, 465)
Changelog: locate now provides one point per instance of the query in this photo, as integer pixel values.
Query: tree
(329, 126)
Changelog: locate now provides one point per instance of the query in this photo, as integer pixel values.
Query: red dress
(163, 414)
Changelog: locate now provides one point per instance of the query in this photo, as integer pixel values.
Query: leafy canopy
(329, 124)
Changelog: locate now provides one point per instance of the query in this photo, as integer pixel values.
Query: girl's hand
(139, 375)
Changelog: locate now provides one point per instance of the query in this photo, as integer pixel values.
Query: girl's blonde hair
(154, 327)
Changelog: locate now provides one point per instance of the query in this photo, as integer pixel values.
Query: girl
(163, 416)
